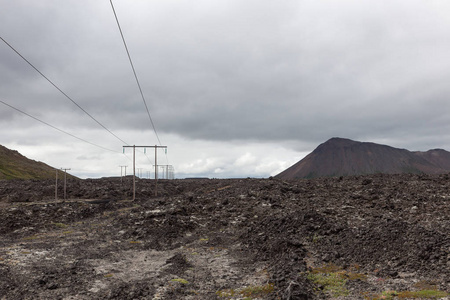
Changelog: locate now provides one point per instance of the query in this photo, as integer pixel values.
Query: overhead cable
(134, 72)
(54, 127)
(51, 82)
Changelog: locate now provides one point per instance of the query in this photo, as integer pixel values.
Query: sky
(234, 88)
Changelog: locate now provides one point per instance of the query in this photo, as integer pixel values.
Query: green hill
(13, 165)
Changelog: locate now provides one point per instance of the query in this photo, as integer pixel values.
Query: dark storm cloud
(356, 72)
(295, 72)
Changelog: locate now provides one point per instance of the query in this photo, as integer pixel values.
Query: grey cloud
(298, 72)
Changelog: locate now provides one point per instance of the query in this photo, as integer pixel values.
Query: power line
(56, 128)
(135, 76)
(51, 82)
(148, 158)
(134, 72)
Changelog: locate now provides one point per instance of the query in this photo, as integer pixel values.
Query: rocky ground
(370, 237)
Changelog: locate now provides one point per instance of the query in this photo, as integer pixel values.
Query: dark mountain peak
(341, 157)
(438, 157)
(337, 141)
(437, 150)
(332, 143)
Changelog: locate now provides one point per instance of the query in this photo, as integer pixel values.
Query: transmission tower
(134, 166)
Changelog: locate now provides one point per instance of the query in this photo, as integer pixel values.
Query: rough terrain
(368, 237)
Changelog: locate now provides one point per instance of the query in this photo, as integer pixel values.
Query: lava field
(361, 237)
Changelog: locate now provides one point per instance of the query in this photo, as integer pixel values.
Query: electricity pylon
(65, 180)
(121, 168)
(134, 166)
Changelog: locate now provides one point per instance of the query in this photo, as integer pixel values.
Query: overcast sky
(235, 88)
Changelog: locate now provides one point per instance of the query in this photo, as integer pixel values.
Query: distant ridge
(13, 165)
(344, 157)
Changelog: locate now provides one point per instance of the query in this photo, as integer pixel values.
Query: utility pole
(171, 172)
(140, 172)
(121, 168)
(155, 171)
(168, 170)
(134, 166)
(65, 180)
(56, 186)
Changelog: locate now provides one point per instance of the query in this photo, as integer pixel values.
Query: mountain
(343, 157)
(13, 165)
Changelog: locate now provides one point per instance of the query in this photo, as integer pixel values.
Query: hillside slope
(344, 157)
(13, 165)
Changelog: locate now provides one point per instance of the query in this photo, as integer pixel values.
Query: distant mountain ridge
(14, 165)
(345, 157)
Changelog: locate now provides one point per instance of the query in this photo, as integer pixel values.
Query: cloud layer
(252, 77)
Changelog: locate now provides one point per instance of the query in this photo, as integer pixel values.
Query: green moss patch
(60, 225)
(180, 280)
(249, 292)
(330, 283)
(331, 279)
(422, 294)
